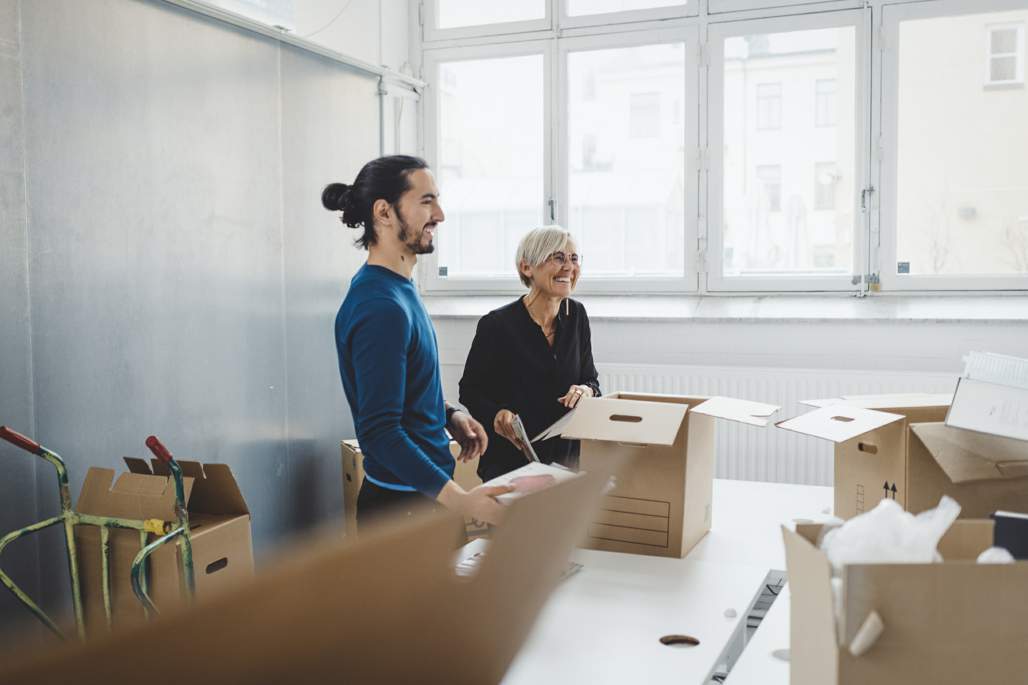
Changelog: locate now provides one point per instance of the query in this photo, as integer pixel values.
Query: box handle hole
(867, 447)
(216, 566)
(679, 641)
(842, 419)
(624, 418)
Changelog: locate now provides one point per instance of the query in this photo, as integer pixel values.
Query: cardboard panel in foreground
(388, 608)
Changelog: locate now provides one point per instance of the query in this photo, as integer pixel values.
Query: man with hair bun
(388, 357)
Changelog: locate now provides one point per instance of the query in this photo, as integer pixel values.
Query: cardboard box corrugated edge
(464, 473)
(221, 535)
(979, 637)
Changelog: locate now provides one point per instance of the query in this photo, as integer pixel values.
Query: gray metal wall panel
(328, 115)
(17, 468)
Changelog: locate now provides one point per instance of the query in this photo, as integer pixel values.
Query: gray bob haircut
(537, 245)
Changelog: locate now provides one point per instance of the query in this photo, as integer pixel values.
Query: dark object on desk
(1011, 533)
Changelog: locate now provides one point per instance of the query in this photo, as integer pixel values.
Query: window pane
(961, 178)
(490, 165)
(1004, 41)
(789, 153)
(1003, 69)
(579, 7)
(455, 13)
(626, 145)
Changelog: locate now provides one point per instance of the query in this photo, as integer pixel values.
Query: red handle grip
(158, 448)
(19, 440)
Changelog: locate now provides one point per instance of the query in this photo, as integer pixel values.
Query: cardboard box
(952, 622)
(219, 521)
(660, 504)
(464, 474)
(388, 608)
(896, 446)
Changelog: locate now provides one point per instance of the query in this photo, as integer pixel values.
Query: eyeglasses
(562, 258)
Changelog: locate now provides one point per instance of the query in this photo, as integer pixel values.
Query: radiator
(768, 454)
(745, 452)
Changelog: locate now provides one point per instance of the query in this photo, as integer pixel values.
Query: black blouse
(511, 366)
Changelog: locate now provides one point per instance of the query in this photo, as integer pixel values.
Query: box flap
(839, 422)
(133, 495)
(910, 400)
(990, 408)
(743, 411)
(814, 655)
(137, 465)
(968, 456)
(616, 420)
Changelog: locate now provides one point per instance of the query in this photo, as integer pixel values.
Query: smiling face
(558, 274)
(418, 213)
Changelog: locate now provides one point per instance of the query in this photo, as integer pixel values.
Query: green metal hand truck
(168, 532)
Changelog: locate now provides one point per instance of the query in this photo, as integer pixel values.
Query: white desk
(603, 624)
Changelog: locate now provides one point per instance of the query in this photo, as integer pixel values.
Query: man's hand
(477, 504)
(503, 424)
(470, 434)
(575, 393)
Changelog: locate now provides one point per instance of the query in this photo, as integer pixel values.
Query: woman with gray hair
(532, 358)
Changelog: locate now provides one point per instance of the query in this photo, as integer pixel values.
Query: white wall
(375, 31)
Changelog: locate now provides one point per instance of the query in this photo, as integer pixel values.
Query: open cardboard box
(219, 522)
(951, 622)
(388, 608)
(896, 446)
(660, 504)
(464, 474)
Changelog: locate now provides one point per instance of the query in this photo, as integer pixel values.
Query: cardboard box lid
(743, 411)
(839, 422)
(910, 400)
(215, 490)
(617, 420)
(968, 456)
(133, 495)
(991, 408)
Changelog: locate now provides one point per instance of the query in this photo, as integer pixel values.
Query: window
(644, 115)
(954, 184)
(489, 161)
(824, 102)
(770, 178)
(1006, 55)
(775, 221)
(627, 207)
(576, 8)
(769, 106)
(826, 177)
(458, 13)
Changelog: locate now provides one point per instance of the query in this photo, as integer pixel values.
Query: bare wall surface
(17, 468)
(183, 277)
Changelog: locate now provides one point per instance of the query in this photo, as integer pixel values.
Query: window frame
(566, 21)
(1018, 55)
(718, 33)
(884, 129)
(432, 32)
(428, 265)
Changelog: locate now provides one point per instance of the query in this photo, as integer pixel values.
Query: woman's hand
(575, 393)
(470, 434)
(503, 424)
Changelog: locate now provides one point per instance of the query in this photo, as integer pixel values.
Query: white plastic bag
(887, 534)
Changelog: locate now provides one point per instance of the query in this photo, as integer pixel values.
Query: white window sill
(771, 308)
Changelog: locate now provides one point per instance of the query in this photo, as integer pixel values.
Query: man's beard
(414, 243)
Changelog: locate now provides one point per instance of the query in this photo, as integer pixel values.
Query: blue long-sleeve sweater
(389, 363)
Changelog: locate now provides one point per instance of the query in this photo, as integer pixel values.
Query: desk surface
(604, 623)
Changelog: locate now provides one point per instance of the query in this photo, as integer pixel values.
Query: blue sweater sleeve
(379, 339)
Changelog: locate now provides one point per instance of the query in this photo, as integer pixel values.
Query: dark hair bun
(334, 196)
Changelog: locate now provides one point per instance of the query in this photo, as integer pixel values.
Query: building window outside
(770, 177)
(824, 102)
(826, 177)
(1006, 55)
(769, 106)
